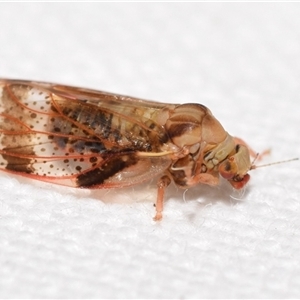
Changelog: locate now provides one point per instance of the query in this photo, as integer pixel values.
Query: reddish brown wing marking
(78, 137)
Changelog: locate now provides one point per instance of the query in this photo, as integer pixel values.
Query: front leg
(204, 178)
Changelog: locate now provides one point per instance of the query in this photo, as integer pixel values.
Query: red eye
(228, 169)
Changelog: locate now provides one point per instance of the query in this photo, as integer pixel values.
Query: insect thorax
(193, 127)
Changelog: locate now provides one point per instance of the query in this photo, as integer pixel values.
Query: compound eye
(228, 168)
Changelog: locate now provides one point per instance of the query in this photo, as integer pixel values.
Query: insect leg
(162, 183)
(204, 178)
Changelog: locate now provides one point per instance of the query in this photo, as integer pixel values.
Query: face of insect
(236, 166)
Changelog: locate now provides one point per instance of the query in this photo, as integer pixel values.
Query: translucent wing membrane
(79, 137)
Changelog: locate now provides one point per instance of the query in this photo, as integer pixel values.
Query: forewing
(78, 137)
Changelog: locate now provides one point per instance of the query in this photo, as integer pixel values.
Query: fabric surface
(242, 60)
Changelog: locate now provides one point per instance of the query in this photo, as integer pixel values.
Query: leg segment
(162, 183)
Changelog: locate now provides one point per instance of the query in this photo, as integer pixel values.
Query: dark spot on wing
(114, 165)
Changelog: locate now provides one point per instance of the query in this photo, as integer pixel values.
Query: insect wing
(77, 137)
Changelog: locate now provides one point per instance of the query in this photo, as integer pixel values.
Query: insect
(91, 139)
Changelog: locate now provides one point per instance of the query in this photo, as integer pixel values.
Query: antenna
(271, 164)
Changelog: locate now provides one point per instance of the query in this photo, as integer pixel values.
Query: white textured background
(242, 60)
